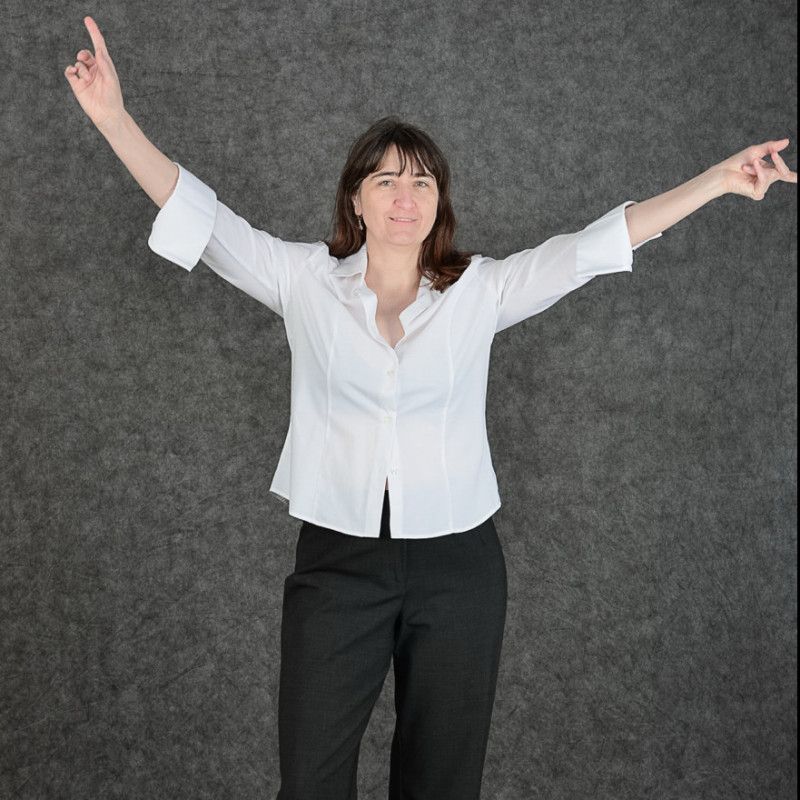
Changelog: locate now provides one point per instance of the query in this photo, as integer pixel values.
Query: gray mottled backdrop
(643, 428)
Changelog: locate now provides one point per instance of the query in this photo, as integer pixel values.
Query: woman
(390, 328)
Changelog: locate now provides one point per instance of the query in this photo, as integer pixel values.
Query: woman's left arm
(744, 173)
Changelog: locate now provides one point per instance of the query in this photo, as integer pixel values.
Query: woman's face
(385, 201)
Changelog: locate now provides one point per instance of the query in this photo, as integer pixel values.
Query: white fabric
(362, 411)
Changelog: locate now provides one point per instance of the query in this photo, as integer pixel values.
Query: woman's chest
(387, 315)
(353, 334)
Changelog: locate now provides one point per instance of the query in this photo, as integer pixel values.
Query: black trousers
(434, 607)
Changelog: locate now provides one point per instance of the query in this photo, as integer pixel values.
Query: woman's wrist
(714, 179)
(109, 127)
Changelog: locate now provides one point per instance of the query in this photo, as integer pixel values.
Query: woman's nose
(403, 197)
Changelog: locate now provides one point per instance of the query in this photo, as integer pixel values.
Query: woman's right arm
(153, 171)
(192, 224)
(94, 81)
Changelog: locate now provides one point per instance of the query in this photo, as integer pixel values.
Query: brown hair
(439, 260)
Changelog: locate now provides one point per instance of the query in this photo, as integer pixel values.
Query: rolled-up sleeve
(528, 282)
(193, 225)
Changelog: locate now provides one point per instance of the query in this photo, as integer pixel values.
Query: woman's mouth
(402, 220)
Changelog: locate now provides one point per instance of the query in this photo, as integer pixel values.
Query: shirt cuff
(184, 224)
(604, 246)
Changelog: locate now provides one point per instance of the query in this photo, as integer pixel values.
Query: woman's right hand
(94, 80)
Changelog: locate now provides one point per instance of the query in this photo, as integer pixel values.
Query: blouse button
(390, 371)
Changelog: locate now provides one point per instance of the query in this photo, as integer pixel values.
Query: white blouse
(362, 411)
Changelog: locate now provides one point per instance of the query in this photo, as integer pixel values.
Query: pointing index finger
(765, 148)
(97, 38)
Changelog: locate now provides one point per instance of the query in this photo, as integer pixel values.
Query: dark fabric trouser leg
(446, 661)
(353, 604)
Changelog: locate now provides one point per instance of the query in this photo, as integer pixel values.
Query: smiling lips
(401, 220)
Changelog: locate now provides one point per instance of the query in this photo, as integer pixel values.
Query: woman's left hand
(745, 173)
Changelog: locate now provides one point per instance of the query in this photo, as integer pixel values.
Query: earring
(361, 222)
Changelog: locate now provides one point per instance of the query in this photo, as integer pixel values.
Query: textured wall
(643, 428)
